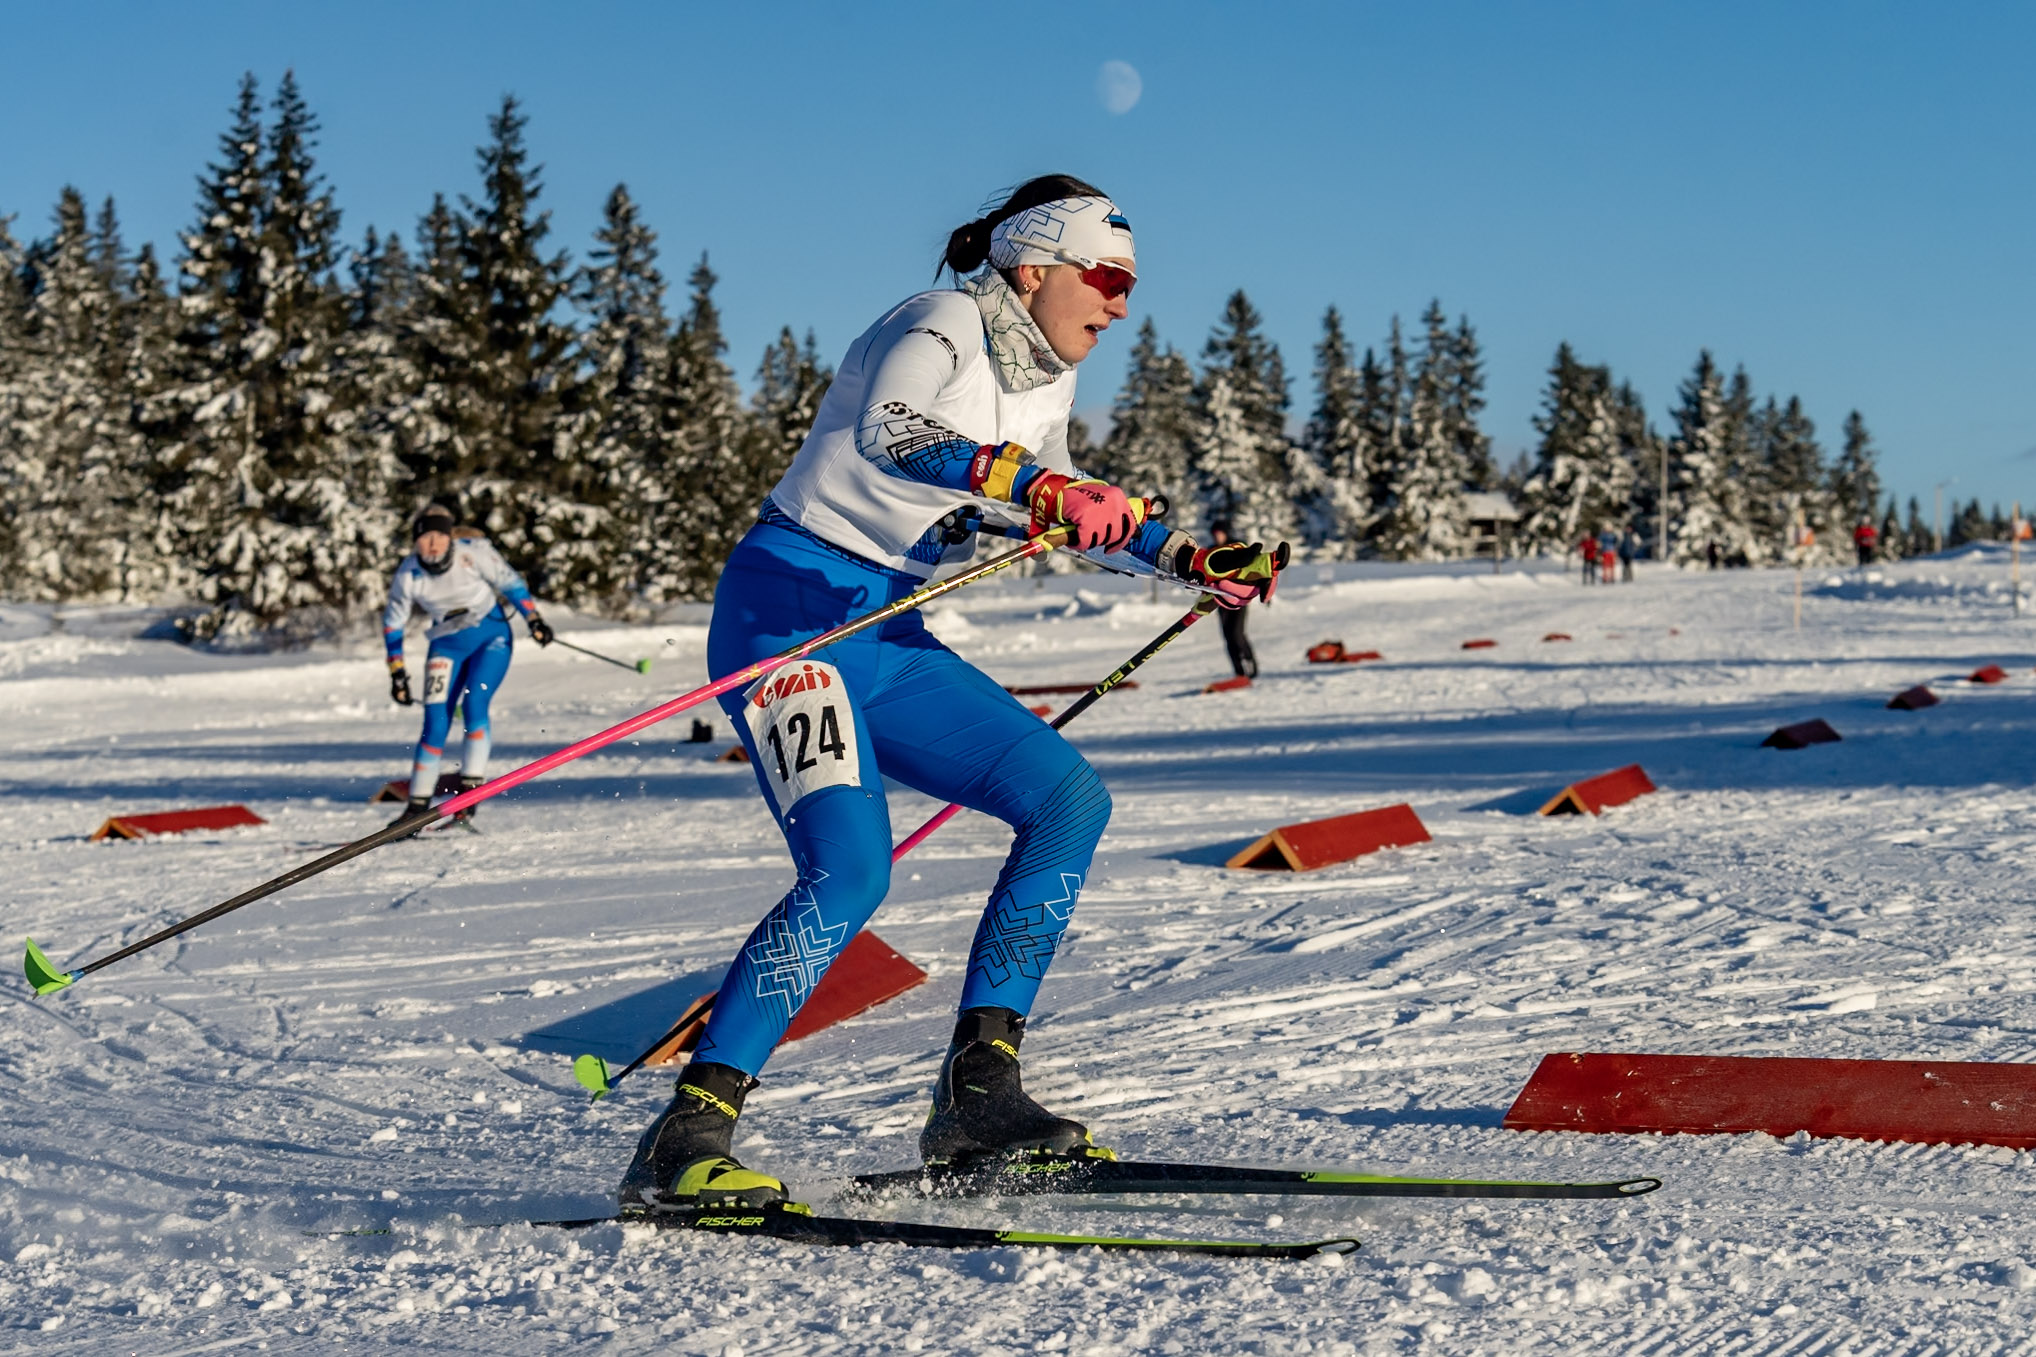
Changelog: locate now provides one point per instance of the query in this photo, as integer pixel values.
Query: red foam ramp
(1913, 699)
(176, 822)
(1930, 1102)
(1319, 843)
(1987, 673)
(1050, 689)
(868, 971)
(1326, 652)
(1594, 794)
(1482, 643)
(1802, 735)
(1229, 685)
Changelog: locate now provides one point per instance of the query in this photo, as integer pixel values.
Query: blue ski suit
(869, 509)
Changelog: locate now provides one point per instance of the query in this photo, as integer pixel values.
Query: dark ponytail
(968, 247)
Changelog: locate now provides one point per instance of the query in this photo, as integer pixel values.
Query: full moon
(1118, 86)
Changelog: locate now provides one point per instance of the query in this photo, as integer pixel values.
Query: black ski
(795, 1223)
(1042, 1174)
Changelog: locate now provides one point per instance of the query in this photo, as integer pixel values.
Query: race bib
(437, 678)
(804, 731)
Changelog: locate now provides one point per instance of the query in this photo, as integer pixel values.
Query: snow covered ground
(370, 1047)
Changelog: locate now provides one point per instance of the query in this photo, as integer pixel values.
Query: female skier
(454, 580)
(949, 415)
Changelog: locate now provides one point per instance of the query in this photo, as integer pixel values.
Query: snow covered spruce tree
(1337, 515)
(1582, 481)
(1243, 463)
(497, 421)
(791, 381)
(1424, 517)
(1792, 485)
(1707, 500)
(714, 489)
(1463, 398)
(1153, 425)
(1855, 477)
(624, 353)
(1894, 543)
(279, 512)
(73, 488)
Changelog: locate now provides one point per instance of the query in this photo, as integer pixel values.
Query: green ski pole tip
(46, 978)
(590, 1070)
(643, 666)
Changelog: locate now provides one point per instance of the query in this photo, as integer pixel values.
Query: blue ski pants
(462, 670)
(890, 702)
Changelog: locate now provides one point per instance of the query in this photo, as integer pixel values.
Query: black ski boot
(683, 1159)
(417, 805)
(465, 818)
(980, 1110)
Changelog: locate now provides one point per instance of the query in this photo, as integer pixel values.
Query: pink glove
(1100, 514)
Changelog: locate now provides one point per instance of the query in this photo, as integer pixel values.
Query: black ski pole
(592, 1070)
(641, 666)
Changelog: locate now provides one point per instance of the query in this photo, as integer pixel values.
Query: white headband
(1071, 231)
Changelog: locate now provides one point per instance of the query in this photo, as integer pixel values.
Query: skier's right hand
(1236, 572)
(399, 684)
(1100, 515)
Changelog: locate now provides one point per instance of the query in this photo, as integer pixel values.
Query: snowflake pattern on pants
(1023, 938)
(793, 954)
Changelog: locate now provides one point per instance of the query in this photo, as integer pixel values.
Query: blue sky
(1839, 196)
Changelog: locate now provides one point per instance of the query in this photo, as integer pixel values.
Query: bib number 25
(804, 731)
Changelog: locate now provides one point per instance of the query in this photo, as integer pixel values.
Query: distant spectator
(1242, 661)
(1589, 548)
(1711, 554)
(1608, 553)
(1629, 547)
(1866, 541)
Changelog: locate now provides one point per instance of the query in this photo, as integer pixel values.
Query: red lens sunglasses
(1107, 279)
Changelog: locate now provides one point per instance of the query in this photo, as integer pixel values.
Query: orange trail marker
(1925, 1101)
(1229, 685)
(1320, 843)
(1594, 794)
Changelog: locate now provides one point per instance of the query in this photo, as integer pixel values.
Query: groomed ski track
(361, 1049)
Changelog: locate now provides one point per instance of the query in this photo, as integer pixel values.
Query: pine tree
(1707, 500)
(1582, 481)
(200, 416)
(1643, 451)
(1793, 482)
(624, 353)
(717, 486)
(1968, 525)
(1153, 424)
(1336, 518)
(76, 526)
(498, 421)
(17, 475)
(1242, 458)
(1855, 480)
(1922, 541)
(1384, 391)
(1894, 543)
(791, 381)
(1424, 517)
(1463, 399)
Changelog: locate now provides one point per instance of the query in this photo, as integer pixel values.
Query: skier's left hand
(540, 630)
(1237, 572)
(1101, 515)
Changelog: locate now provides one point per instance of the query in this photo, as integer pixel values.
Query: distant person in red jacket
(1589, 548)
(1865, 541)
